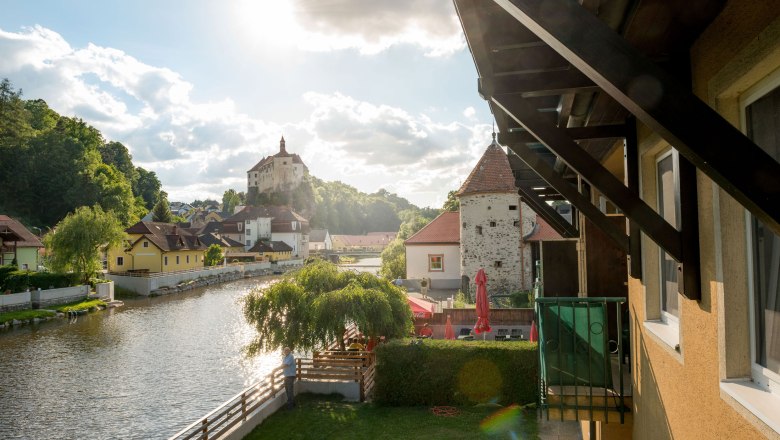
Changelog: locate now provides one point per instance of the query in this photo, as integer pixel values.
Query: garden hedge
(21, 280)
(442, 372)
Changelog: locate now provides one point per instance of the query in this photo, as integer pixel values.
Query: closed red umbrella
(483, 308)
(449, 332)
(534, 336)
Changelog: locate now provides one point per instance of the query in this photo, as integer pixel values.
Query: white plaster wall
(295, 240)
(496, 243)
(417, 262)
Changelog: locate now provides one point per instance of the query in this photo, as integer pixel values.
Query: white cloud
(367, 26)
(199, 149)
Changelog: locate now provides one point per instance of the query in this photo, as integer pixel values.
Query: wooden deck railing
(235, 410)
(331, 365)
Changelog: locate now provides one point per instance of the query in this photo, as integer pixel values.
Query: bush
(21, 280)
(523, 299)
(441, 372)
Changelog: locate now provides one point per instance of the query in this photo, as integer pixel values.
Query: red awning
(420, 308)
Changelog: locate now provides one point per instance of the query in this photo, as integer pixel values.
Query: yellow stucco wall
(152, 259)
(677, 395)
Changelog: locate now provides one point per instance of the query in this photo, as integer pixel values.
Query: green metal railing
(575, 355)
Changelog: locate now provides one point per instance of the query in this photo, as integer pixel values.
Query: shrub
(523, 299)
(441, 372)
(21, 280)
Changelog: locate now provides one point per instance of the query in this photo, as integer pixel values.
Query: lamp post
(37, 229)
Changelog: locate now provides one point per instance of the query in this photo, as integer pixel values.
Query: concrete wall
(501, 242)
(144, 285)
(105, 290)
(417, 263)
(15, 301)
(683, 393)
(41, 299)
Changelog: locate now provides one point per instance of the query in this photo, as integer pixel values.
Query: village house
(658, 122)
(268, 223)
(156, 247)
(320, 240)
(272, 250)
(281, 171)
(371, 242)
(434, 252)
(18, 244)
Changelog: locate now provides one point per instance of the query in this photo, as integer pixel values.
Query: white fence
(15, 301)
(44, 298)
(145, 283)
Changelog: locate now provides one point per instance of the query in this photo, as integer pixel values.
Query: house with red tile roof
(18, 243)
(434, 252)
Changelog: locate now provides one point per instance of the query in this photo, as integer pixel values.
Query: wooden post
(243, 406)
(205, 429)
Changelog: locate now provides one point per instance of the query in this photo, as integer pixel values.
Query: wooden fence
(467, 317)
(235, 410)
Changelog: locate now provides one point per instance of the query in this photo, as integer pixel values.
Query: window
(177, 259)
(464, 225)
(762, 117)
(667, 178)
(146, 244)
(248, 231)
(120, 261)
(25, 266)
(249, 242)
(479, 230)
(492, 224)
(435, 263)
(165, 260)
(240, 225)
(513, 207)
(497, 264)
(516, 223)
(188, 259)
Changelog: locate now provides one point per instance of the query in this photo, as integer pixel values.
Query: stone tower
(493, 221)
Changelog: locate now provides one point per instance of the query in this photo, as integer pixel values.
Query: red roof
(543, 232)
(491, 175)
(444, 229)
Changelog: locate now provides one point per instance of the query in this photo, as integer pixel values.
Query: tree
(230, 199)
(78, 240)
(311, 308)
(147, 186)
(213, 255)
(452, 203)
(162, 210)
(393, 260)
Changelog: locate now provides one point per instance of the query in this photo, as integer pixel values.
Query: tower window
(516, 223)
(492, 224)
(497, 264)
(513, 207)
(479, 230)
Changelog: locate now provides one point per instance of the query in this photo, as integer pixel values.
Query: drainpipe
(522, 253)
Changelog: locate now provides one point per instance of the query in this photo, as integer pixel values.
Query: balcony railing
(580, 346)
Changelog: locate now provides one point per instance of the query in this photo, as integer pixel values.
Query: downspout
(522, 254)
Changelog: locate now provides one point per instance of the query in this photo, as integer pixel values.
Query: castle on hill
(282, 171)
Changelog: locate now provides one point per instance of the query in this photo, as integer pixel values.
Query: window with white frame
(435, 263)
(762, 123)
(668, 187)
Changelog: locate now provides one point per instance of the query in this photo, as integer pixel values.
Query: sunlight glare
(269, 24)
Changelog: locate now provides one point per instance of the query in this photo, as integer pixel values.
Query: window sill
(666, 332)
(761, 403)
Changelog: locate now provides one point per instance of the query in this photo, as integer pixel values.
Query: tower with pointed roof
(282, 171)
(493, 221)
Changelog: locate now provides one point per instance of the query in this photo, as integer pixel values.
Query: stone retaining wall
(42, 299)
(15, 301)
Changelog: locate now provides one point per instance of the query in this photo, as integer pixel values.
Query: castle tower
(492, 221)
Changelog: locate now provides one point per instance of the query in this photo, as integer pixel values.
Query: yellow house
(660, 123)
(272, 250)
(157, 247)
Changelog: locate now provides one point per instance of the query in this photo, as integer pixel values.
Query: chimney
(175, 230)
(282, 149)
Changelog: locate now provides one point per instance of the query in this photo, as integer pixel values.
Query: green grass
(327, 417)
(80, 305)
(22, 315)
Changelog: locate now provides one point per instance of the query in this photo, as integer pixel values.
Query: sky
(373, 93)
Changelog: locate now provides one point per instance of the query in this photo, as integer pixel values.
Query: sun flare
(269, 23)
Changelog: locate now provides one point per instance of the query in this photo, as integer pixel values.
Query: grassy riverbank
(327, 417)
(80, 305)
(23, 315)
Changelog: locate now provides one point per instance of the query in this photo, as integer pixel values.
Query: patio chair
(465, 334)
(502, 334)
(517, 333)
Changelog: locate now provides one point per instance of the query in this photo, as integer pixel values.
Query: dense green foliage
(311, 307)
(78, 240)
(213, 255)
(231, 199)
(21, 280)
(452, 203)
(394, 255)
(329, 417)
(162, 210)
(52, 164)
(442, 372)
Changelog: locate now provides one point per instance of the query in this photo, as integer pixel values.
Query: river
(142, 371)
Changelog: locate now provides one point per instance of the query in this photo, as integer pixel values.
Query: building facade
(156, 247)
(282, 171)
(434, 252)
(493, 221)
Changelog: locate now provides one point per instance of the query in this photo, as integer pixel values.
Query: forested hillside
(52, 164)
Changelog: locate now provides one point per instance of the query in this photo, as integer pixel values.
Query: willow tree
(310, 308)
(79, 240)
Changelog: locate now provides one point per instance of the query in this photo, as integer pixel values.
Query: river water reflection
(142, 371)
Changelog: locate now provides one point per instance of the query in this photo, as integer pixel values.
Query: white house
(434, 252)
(319, 239)
(276, 223)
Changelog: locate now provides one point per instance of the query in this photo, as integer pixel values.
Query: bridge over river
(138, 372)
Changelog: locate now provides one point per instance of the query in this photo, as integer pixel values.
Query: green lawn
(80, 305)
(327, 417)
(23, 315)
